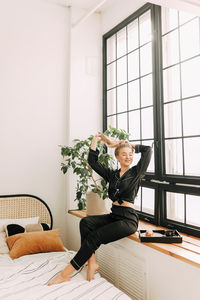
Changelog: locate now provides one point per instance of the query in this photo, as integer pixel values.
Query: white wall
(50, 94)
(85, 88)
(33, 101)
(85, 96)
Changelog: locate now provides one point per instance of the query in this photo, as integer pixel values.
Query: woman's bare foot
(59, 279)
(64, 275)
(92, 268)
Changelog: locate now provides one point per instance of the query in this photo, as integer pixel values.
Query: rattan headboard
(24, 206)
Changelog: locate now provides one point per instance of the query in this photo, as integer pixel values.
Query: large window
(181, 92)
(152, 90)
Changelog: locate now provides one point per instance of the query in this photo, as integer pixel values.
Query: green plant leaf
(64, 168)
(76, 158)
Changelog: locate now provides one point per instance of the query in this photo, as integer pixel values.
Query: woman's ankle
(68, 270)
(93, 265)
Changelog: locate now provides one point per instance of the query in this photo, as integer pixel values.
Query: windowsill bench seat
(187, 251)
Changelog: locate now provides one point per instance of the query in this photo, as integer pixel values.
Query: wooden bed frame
(25, 206)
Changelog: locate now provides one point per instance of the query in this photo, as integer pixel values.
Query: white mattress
(27, 277)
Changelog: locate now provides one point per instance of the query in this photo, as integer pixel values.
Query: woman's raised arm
(95, 139)
(93, 158)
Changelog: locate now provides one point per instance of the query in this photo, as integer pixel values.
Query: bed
(27, 275)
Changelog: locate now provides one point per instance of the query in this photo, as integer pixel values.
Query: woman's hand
(109, 141)
(100, 137)
(104, 139)
(96, 138)
(126, 142)
(123, 142)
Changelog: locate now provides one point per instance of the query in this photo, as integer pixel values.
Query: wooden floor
(187, 251)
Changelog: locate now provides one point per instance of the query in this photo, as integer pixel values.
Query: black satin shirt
(124, 187)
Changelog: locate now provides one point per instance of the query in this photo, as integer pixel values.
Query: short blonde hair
(122, 145)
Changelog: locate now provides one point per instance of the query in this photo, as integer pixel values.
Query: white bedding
(27, 277)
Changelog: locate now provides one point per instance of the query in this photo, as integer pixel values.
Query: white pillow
(3, 245)
(23, 222)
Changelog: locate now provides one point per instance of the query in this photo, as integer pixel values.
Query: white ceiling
(83, 3)
(192, 6)
(86, 4)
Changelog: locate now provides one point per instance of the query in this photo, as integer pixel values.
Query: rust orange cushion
(34, 242)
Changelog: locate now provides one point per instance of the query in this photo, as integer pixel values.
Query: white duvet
(26, 278)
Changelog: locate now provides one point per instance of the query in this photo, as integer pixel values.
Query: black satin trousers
(103, 229)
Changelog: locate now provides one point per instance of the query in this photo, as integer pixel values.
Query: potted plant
(76, 157)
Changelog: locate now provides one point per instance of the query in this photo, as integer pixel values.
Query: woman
(123, 220)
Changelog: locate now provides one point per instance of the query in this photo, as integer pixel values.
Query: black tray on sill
(161, 236)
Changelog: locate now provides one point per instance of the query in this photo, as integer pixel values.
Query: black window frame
(183, 227)
(154, 219)
(158, 180)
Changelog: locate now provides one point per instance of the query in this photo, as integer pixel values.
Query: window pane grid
(180, 137)
(183, 208)
(130, 110)
(181, 111)
(145, 200)
(175, 28)
(178, 88)
(185, 211)
(184, 98)
(132, 79)
(129, 81)
(128, 52)
(127, 101)
(181, 61)
(140, 130)
(180, 105)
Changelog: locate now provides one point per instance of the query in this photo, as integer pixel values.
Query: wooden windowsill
(188, 251)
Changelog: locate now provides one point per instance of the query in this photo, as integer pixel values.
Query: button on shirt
(124, 187)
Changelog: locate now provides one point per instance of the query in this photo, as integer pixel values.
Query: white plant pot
(95, 205)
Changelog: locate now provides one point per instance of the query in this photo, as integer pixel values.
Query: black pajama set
(122, 221)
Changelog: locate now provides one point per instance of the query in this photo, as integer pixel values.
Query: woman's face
(125, 157)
